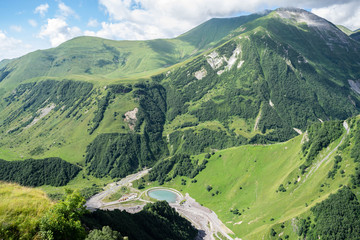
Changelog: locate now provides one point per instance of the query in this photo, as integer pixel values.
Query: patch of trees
(88, 192)
(99, 114)
(156, 221)
(185, 167)
(120, 88)
(122, 154)
(333, 171)
(67, 95)
(62, 221)
(4, 73)
(195, 142)
(321, 135)
(118, 155)
(355, 154)
(181, 164)
(282, 188)
(106, 233)
(31, 172)
(337, 217)
(232, 105)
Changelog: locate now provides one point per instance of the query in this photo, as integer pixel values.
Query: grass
(20, 209)
(253, 176)
(243, 127)
(63, 137)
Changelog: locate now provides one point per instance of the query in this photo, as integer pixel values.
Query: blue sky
(28, 25)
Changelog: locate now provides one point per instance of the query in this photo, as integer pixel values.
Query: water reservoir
(162, 194)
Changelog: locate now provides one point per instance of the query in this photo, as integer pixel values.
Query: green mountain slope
(264, 82)
(276, 77)
(211, 32)
(256, 188)
(114, 107)
(98, 60)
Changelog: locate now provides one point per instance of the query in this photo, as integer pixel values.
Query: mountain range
(100, 109)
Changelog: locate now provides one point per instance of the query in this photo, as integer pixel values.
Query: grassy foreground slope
(20, 210)
(255, 188)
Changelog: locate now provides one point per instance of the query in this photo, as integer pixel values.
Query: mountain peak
(328, 31)
(302, 16)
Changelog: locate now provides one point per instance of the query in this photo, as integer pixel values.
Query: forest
(182, 166)
(32, 172)
(122, 154)
(337, 217)
(156, 221)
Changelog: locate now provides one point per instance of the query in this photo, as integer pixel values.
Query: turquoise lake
(163, 194)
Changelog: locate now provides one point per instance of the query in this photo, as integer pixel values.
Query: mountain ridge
(256, 59)
(261, 100)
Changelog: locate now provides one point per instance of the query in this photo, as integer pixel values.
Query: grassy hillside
(96, 58)
(20, 210)
(263, 85)
(255, 188)
(209, 33)
(100, 60)
(265, 82)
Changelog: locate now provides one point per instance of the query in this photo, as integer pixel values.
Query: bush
(105, 234)
(62, 221)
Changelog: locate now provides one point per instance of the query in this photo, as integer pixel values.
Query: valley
(202, 218)
(253, 122)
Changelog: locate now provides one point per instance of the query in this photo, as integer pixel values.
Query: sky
(29, 25)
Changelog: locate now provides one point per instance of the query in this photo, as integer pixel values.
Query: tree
(62, 221)
(105, 234)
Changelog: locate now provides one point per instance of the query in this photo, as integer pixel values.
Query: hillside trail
(203, 219)
(326, 158)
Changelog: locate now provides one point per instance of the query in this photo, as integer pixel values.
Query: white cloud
(11, 47)
(16, 28)
(42, 9)
(347, 14)
(146, 19)
(58, 31)
(32, 22)
(93, 23)
(66, 11)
